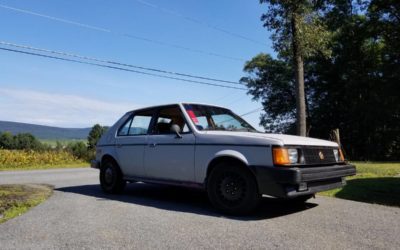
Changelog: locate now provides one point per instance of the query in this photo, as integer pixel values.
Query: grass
(17, 199)
(377, 183)
(62, 142)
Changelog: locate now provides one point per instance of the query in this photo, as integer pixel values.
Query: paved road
(80, 216)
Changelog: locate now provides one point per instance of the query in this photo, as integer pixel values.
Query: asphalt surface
(80, 216)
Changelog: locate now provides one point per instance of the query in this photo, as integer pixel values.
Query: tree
(7, 140)
(357, 89)
(95, 134)
(271, 81)
(26, 141)
(298, 33)
(354, 89)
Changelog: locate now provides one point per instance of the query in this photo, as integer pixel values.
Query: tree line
(79, 149)
(350, 55)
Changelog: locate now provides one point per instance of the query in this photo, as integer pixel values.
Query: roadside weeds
(16, 199)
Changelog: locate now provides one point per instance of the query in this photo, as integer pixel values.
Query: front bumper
(95, 164)
(288, 182)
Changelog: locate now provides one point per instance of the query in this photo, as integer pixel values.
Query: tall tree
(271, 81)
(95, 134)
(298, 33)
(354, 89)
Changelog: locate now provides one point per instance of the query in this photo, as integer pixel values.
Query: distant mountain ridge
(44, 132)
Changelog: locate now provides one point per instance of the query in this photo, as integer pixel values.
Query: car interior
(166, 118)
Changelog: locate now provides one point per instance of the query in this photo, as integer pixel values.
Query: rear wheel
(111, 179)
(232, 189)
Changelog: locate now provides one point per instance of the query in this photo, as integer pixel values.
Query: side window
(167, 117)
(137, 125)
(125, 128)
(185, 129)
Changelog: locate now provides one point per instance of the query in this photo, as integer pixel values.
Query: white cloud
(58, 109)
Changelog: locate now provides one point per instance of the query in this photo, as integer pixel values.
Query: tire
(111, 179)
(232, 189)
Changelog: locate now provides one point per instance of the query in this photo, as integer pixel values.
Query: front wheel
(111, 179)
(232, 189)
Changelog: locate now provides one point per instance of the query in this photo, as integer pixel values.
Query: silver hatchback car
(210, 147)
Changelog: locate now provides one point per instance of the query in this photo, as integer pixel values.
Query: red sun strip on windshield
(192, 116)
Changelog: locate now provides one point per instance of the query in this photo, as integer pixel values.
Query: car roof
(170, 104)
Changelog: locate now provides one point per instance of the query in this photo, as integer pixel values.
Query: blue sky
(51, 92)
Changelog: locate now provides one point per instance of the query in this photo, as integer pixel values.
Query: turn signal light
(281, 156)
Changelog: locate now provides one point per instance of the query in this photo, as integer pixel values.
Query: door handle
(119, 145)
(152, 145)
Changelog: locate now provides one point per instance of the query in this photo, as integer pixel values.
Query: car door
(168, 156)
(131, 140)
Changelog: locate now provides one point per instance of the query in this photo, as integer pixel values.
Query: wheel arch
(108, 157)
(213, 185)
(228, 156)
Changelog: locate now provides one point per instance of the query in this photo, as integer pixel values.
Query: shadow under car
(186, 200)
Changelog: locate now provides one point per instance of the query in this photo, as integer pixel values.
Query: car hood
(276, 139)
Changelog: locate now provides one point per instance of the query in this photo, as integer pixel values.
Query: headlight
(285, 156)
(336, 154)
(293, 155)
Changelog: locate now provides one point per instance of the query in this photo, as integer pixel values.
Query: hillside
(44, 132)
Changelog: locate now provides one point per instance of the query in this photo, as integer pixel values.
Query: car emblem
(321, 155)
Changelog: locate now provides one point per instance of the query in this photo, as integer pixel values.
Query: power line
(115, 63)
(237, 100)
(105, 30)
(247, 113)
(118, 68)
(219, 99)
(197, 21)
(251, 112)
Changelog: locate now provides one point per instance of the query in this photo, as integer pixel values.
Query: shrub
(29, 158)
(23, 141)
(79, 150)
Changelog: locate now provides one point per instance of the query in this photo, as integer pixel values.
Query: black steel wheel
(232, 189)
(111, 179)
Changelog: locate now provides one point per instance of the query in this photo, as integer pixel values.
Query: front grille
(315, 155)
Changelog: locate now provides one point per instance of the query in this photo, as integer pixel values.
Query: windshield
(215, 118)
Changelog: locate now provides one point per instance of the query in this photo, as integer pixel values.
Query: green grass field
(53, 143)
(374, 183)
(17, 199)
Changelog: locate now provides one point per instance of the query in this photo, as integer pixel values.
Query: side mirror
(176, 130)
